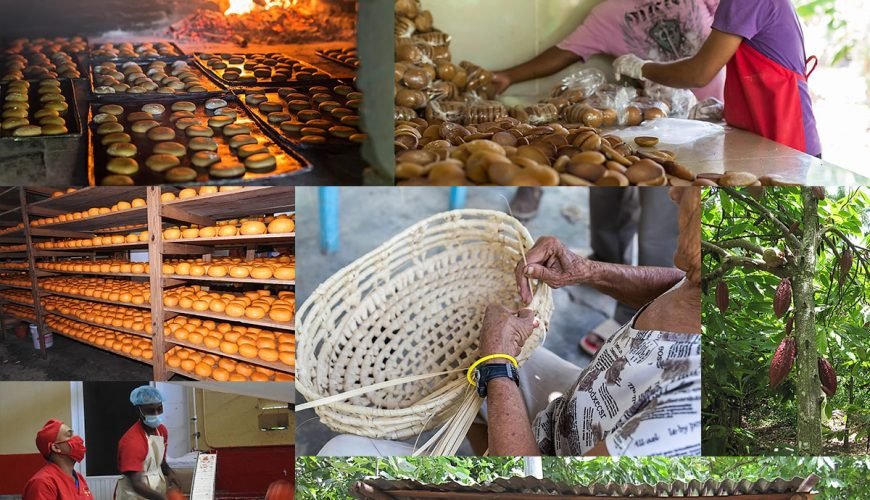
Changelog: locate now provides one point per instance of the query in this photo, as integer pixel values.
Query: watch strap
(486, 372)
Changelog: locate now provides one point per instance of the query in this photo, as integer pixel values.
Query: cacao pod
(773, 257)
(793, 229)
(782, 298)
(789, 325)
(722, 298)
(828, 377)
(782, 361)
(818, 192)
(845, 263)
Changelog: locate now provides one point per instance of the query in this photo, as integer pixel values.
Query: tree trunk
(809, 428)
(849, 414)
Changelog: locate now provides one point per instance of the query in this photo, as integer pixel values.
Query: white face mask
(152, 421)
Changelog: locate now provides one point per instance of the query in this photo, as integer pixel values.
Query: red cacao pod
(789, 325)
(782, 361)
(845, 263)
(281, 489)
(782, 298)
(722, 298)
(828, 377)
(818, 193)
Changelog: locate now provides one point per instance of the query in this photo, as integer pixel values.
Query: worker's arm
(510, 432)
(171, 478)
(547, 63)
(140, 486)
(699, 70)
(551, 262)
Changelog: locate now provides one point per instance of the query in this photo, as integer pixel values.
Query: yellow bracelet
(487, 358)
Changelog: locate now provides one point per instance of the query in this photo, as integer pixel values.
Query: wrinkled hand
(505, 331)
(629, 65)
(500, 82)
(708, 110)
(551, 262)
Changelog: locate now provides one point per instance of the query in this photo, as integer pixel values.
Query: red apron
(762, 96)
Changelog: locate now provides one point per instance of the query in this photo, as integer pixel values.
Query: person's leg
(348, 445)
(658, 228)
(613, 218)
(526, 202)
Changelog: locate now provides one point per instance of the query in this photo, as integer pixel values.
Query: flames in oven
(246, 6)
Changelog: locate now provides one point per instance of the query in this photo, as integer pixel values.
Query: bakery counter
(739, 150)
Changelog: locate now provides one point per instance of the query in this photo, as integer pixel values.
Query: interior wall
(229, 420)
(498, 34)
(25, 408)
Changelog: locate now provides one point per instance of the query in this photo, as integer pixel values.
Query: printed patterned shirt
(641, 394)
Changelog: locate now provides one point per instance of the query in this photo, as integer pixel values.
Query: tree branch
(793, 242)
(732, 261)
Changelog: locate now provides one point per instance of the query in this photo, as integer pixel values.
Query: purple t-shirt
(658, 30)
(772, 28)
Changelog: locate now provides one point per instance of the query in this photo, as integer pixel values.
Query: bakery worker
(142, 450)
(762, 46)
(57, 479)
(661, 30)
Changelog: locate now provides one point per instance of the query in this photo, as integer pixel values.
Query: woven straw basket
(412, 307)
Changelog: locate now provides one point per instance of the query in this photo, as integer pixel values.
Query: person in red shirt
(57, 479)
(142, 451)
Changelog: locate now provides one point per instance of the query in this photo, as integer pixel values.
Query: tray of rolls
(317, 117)
(345, 56)
(144, 80)
(43, 58)
(39, 110)
(259, 70)
(127, 51)
(205, 140)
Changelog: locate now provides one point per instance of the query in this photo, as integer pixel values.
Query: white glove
(708, 110)
(629, 65)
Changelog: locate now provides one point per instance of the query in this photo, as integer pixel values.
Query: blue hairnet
(145, 395)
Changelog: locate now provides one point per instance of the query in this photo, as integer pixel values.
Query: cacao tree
(791, 264)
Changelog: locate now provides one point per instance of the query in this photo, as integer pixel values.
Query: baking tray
(217, 75)
(73, 120)
(332, 143)
(289, 163)
(330, 54)
(179, 54)
(80, 58)
(121, 97)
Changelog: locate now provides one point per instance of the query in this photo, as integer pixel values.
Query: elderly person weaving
(640, 395)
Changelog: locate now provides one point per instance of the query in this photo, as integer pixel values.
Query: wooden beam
(31, 262)
(176, 213)
(170, 247)
(60, 233)
(155, 279)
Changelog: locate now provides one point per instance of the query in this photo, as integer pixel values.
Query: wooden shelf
(45, 293)
(102, 348)
(107, 327)
(229, 279)
(23, 287)
(38, 252)
(281, 367)
(25, 304)
(252, 200)
(229, 241)
(179, 371)
(229, 319)
(88, 197)
(124, 275)
(93, 223)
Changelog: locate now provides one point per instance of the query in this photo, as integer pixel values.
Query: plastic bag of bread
(580, 85)
(536, 114)
(403, 114)
(708, 110)
(613, 101)
(650, 109)
(477, 76)
(448, 111)
(679, 101)
(484, 111)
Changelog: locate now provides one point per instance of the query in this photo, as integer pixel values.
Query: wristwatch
(486, 372)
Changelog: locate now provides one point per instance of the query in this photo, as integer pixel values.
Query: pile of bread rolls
(123, 291)
(133, 346)
(202, 365)
(45, 117)
(12, 229)
(18, 311)
(246, 341)
(18, 279)
(25, 296)
(14, 265)
(111, 316)
(264, 268)
(41, 58)
(159, 77)
(254, 305)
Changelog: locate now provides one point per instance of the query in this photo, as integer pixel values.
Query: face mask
(152, 421)
(76, 448)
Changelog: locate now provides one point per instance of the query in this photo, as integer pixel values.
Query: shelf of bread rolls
(254, 307)
(120, 318)
(129, 346)
(17, 311)
(206, 366)
(269, 348)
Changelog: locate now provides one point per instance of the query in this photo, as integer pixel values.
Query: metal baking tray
(202, 58)
(120, 97)
(289, 163)
(73, 120)
(330, 54)
(332, 143)
(179, 54)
